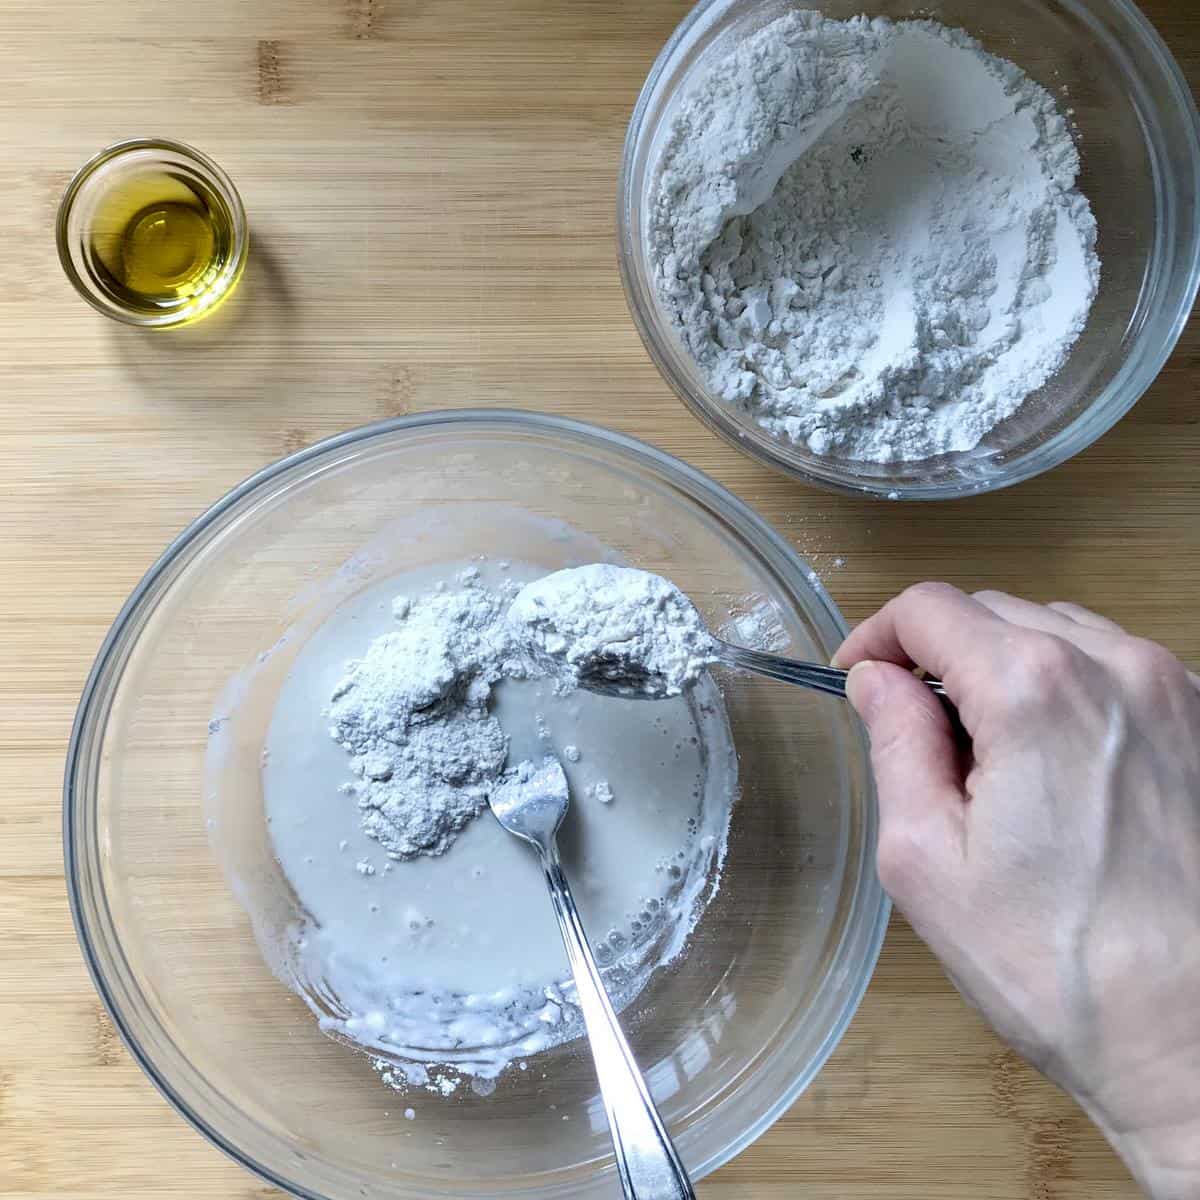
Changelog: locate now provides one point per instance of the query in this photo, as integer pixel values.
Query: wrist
(1165, 1161)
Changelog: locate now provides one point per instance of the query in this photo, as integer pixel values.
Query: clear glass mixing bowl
(1139, 136)
(729, 1036)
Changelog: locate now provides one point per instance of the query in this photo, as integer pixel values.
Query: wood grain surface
(431, 185)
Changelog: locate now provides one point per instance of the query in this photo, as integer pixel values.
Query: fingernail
(864, 689)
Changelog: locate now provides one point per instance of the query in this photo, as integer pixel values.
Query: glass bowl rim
(214, 174)
(1135, 376)
(868, 918)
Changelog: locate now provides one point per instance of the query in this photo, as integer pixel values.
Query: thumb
(918, 774)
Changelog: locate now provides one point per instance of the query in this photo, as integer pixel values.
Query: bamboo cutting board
(430, 185)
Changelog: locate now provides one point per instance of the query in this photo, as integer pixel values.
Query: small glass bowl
(151, 165)
(728, 1036)
(1139, 137)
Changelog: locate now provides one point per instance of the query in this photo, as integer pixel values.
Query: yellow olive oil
(160, 242)
(165, 249)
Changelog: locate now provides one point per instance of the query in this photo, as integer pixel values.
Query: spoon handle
(647, 1161)
(831, 680)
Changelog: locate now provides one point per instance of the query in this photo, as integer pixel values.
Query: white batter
(456, 959)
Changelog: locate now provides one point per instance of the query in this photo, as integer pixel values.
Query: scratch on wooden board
(1006, 1070)
(272, 78)
(394, 391)
(295, 439)
(1051, 1161)
(364, 17)
(107, 1046)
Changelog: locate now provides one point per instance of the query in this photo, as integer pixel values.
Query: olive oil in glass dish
(152, 232)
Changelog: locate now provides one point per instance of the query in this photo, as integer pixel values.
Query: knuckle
(931, 590)
(1043, 659)
(989, 595)
(1036, 669)
(919, 596)
(1150, 664)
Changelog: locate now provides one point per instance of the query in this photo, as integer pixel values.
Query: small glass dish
(152, 233)
(1138, 133)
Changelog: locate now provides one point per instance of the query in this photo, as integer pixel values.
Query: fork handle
(647, 1160)
(831, 680)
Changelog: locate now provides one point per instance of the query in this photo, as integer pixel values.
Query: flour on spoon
(616, 627)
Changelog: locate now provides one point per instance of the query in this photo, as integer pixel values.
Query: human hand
(1054, 869)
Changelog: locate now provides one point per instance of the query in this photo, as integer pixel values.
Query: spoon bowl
(532, 802)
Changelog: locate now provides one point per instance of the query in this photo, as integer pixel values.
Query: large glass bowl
(729, 1036)
(1139, 137)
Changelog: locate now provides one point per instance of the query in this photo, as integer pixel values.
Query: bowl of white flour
(913, 255)
(295, 901)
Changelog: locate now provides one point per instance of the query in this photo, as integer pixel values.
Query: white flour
(413, 716)
(614, 624)
(413, 713)
(869, 236)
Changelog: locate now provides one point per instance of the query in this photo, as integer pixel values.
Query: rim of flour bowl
(866, 924)
(1175, 167)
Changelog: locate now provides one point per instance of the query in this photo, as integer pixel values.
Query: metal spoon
(532, 806)
(629, 680)
(613, 663)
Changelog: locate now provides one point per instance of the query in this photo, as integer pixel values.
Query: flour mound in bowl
(869, 237)
(412, 714)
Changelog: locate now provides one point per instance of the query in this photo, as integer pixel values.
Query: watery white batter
(452, 964)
